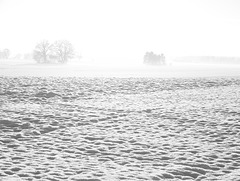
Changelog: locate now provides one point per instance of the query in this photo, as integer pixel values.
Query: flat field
(56, 128)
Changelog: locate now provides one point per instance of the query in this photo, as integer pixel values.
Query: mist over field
(141, 66)
(88, 68)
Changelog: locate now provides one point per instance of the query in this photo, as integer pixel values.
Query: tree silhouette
(154, 59)
(5, 54)
(63, 50)
(42, 51)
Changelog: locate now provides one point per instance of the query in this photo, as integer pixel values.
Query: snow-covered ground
(92, 129)
(95, 69)
(89, 121)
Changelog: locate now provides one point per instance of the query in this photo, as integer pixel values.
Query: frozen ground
(91, 129)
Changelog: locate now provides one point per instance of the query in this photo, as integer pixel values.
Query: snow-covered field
(90, 129)
(111, 69)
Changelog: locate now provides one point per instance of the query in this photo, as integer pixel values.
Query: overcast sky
(114, 29)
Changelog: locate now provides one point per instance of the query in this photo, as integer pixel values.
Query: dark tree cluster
(4, 54)
(59, 51)
(154, 59)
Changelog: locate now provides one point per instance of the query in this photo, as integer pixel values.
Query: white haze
(122, 31)
(112, 36)
(106, 69)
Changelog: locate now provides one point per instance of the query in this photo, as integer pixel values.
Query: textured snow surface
(119, 129)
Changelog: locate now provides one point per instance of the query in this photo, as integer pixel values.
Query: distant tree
(154, 59)
(4, 54)
(63, 50)
(42, 51)
(162, 59)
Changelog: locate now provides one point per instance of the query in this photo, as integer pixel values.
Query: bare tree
(42, 51)
(63, 50)
(4, 54)
(7, 53)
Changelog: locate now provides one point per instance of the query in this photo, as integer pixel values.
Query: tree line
(60, 51)
(154, 59)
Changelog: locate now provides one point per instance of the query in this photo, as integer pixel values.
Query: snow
(95, 69)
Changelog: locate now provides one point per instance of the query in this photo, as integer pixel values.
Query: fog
(111, 37)
(93, 69)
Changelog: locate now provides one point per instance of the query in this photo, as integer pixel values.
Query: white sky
(114, 29)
